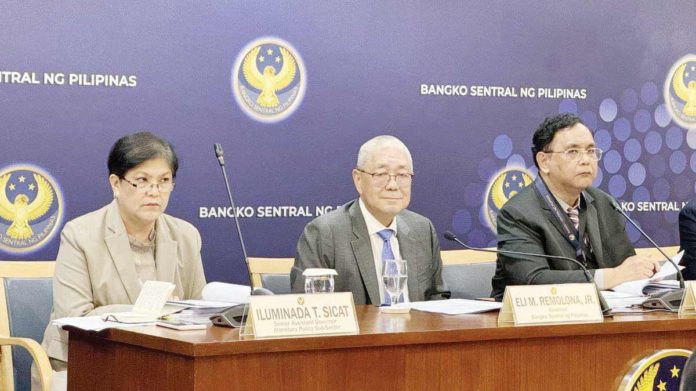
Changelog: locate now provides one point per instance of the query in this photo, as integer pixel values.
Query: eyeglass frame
(148, 186)
(408, 175)
(594, 156)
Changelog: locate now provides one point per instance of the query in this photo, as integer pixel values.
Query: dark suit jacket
(526, 224)
(339, 240)
(687, 239)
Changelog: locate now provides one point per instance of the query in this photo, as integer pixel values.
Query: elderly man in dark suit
(561, 214)
(356, 237)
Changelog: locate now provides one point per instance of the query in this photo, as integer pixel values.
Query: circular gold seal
(269, 79)
(31, 208)
(660, 370)
(502, 186)
(680, 91)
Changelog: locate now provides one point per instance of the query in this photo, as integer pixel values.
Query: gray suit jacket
(95, 272)
(339, 240)
(526, 224)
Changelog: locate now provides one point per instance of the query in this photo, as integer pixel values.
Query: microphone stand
(669, 300)
(235, 316)
(221, 160)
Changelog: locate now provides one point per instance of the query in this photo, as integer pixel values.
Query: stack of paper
(152, 304)
(617, 300)
(453, 306)
(217, 296)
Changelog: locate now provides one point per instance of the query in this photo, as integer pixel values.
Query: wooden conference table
(392, 352)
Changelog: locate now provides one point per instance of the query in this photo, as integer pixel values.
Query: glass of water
(319, 280)
(394, 275)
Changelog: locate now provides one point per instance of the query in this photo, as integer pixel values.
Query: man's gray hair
(375, 144)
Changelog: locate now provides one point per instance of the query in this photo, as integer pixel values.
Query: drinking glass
(319, 280)
(394, 275)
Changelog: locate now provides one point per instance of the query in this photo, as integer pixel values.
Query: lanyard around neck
(569, 231)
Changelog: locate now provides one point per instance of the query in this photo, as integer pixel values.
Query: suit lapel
(165, 252)
(116, 240)
(407, 247)
(592, 229)
(362, 250)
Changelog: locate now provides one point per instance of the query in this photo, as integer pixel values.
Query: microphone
(234, 316)
(219, 155)
(605, 307)
(668, 300)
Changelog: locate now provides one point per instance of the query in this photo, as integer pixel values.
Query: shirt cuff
(599, 279)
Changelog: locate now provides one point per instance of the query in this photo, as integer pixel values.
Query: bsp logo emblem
(680, 91)
(30, 208)
(660, 370)
(268, 79)
(504, 185)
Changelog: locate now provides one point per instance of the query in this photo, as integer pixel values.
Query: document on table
(617, 300)
(453, 306)
(149, 306)
(218, 295)
(93, 323)
(635, 288)
(204, 304)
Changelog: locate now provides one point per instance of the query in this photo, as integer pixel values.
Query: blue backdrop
(75, 77)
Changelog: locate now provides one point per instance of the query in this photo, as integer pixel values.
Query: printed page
(152, 297)
(149, 306)
(635, 288)
(228, 293)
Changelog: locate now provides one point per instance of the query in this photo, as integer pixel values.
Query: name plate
(550, 304)
(688, 304)
(302, 315)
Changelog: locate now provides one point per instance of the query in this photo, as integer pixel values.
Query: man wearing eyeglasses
(356, 238)
(562, 214)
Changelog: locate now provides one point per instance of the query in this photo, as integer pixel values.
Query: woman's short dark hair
(544, 134)
(134, 149)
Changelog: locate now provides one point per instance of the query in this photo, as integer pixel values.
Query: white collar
(373, 225)
(565, 206)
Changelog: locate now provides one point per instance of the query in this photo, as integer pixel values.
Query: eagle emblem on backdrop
(30, 208)
(661, 370)
(501, 187)
(268, 79)
(680, 91)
